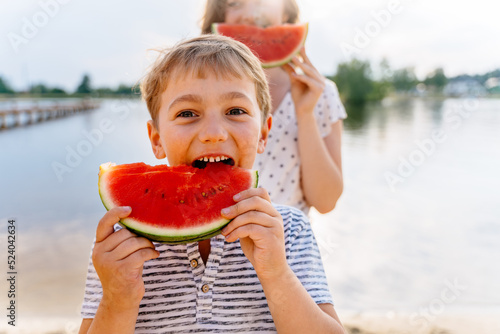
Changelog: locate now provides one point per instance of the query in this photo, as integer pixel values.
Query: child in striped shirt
(208, 97)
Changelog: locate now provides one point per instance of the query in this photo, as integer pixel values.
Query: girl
(302, 163)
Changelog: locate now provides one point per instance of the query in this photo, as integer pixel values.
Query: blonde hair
(217, 55)
(215, 12)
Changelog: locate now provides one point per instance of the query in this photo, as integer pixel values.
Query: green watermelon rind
(173, 236)
(278, 62)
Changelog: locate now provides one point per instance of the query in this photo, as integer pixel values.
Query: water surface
(389, 246)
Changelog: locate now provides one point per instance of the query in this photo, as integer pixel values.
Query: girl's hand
(118, 259)
(259, 226)
(306, 88)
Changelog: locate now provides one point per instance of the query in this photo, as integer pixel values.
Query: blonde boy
(208, 98)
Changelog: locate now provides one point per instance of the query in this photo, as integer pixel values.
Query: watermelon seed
(146, 191)
(213, 191)
(162, 195)
(220, 188)
(181, 201)
(204, 194)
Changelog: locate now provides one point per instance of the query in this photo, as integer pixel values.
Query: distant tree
(84, 87)
(353, 80)
(104, 91)
(382, 84)
(5, 87)
(124, 90)
(39, 89)
(436, 79)
(404, 80)
(57, 90)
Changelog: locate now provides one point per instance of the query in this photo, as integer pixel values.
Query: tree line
(84, 88)
(358, 83)
(356, 80)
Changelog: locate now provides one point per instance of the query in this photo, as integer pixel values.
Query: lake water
(417, 229)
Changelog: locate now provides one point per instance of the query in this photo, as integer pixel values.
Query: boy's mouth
(204, 161)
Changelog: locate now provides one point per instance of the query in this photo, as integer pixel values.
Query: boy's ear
(264, 134)
(154, 138)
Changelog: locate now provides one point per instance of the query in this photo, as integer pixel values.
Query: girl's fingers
(309, 82)
(304, 56)
(130, 246)
(289, 69)
(113, 216)
(250, 217)
(308, 69)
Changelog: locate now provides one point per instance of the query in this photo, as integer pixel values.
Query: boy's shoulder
(294, 220)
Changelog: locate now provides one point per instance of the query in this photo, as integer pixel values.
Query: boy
(208, 98)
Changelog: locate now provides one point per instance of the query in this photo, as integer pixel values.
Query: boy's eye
(236, 111)
(186, 113)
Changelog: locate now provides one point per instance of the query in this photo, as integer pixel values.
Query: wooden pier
(16, 117)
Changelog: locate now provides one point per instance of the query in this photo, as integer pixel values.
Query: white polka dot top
(279, 165)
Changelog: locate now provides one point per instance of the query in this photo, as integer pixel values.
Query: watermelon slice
(275, 45)
(177, 204)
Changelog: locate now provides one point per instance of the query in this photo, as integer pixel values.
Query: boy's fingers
(253, 231)
(116, 238)
(131, 245)
(254, 203)
(142, 255)
(260, 192)
(250, 217)
(113, 216)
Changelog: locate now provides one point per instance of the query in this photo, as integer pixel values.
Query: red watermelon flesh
(173, 204)
(274, 46)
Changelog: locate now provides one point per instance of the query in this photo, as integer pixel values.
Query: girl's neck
(279, 85)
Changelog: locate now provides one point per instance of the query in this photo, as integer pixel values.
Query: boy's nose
(213, 132)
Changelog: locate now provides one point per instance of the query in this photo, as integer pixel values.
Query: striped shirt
(183, 295)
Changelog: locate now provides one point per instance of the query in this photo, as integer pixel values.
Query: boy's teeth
(213, 159)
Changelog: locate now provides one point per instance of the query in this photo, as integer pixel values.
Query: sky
(57, 41)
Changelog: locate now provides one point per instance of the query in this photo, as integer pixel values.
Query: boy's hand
(307, 87)
(118, 259)
(259, 226)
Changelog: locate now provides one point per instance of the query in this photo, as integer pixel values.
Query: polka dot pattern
(279, 166)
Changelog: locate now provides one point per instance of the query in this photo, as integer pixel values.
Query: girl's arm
(321, 166)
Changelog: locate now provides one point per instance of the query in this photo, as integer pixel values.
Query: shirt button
(205, 288)
(194, 263)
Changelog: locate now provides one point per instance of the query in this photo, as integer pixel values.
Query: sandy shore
(405, 324)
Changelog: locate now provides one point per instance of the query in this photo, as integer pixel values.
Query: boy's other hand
(118, 259)
(259, 226)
